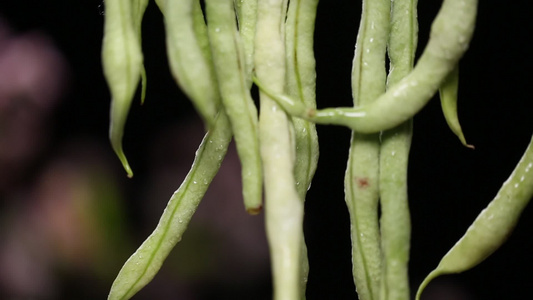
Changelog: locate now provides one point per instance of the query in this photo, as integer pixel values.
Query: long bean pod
(283, 207)
(228, 58)
(122, 62)
(448, 100)
(361, 179)
(450, 35)
(301, 84)
(493, 225)
(142, 266)
(395, 223)
(187, 58)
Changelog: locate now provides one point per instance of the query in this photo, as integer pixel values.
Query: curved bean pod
(451, 33)
(187, 59)
(122, 62)
(361, 181)
(283, 207)
(493, 225)
(395, 223)
(229, 64)
(142, 266)
(448, 101)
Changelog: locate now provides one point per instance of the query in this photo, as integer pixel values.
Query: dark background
(448, 183)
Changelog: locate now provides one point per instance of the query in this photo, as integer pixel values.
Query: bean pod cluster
(218, 49)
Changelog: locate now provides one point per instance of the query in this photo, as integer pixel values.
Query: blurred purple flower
(32, 78)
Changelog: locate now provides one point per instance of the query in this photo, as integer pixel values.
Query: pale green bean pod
(142, 266)
(448, 100)
(185, 47)
(301, 84)
(230, 68)
(122, 62)
(395, 223)
(283, 207)
(361, 181)
(450, 35)
(493, 225)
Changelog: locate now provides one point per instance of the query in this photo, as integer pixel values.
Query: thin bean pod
(139, 7)
(142, 266)
(448, 100)
(228, 58)
(361, 181)
(122, 62)
(283, 207)
(247, 18)
(187, 58)
(395, 223)
(450, 35)
(493, 225)
(301, 84)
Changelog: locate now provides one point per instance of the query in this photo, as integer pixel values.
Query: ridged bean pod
(228, 58)
(395, 223)
(122, 62)
(283, 207)
(493, 225)
(361, 182)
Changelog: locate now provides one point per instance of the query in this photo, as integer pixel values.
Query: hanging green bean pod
(361, 181)
(228, 58)
(142, 266)
(122, 62)
(301, 84)
(283, 207)
(188, 64)
(493, 225)
(395, 223)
